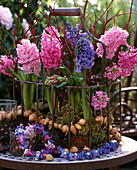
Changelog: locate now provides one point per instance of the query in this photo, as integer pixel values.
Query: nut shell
(41, 122)
(86, 148)
(110, 127)
(66, 149)
(99, 119)
(40, 117)
(13, 114)
(19, 107)
(118, 136)
(27, 113)
(74, 149)
(50, 123)
(49, 157)
(73, 129)
(65, 128)
(8, 116)
(46, 121)
(59, 126)
(3, 114)
(82, 122)
(78, 126)
(32, 117)
(113, 131)
(19, 112)
(55, 125)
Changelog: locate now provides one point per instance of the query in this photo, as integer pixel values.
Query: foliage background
(94, 7)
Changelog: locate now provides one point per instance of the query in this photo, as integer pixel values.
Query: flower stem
(85, 103)
(28, 91)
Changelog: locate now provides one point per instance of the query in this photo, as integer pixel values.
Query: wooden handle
(65, 12)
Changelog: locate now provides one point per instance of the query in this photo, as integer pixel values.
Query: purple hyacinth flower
(84, 54)
(74, 34)
(59, 149)
(79, 156)
(99, 150)
(95, 153)
(88, 155)
(72, 156)
(113, 146)
(68, 27)
(64, 155)
(82, 154)
(105, 150)
(106, 146)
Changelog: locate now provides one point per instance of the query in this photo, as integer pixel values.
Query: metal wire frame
(37, 84)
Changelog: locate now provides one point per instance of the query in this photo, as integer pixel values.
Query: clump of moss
(60, 138)
(98, 138)
(62, 116)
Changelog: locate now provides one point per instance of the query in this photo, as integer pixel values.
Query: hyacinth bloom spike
(99, 100)
(95, 153)
(20, 140)
(74, 34)
(113, 38)
(28, 55)
(84, 54)
(125, 65)
(50, 49)
(25, 143)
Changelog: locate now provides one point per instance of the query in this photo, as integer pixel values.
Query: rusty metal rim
(73, 87)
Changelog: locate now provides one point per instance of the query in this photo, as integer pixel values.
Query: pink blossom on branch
(99, 100)
(113, 38)
(126, 64)
(127, 61)
(50, 48)
(112, 72)
(6, 17)
(5, 63)
(25, 26)
(28, 55)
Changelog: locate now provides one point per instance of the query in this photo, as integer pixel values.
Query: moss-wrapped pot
(14, 145)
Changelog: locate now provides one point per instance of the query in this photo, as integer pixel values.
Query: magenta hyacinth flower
(50, 49)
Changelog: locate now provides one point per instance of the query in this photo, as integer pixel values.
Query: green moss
(98, 135)
(63, 115)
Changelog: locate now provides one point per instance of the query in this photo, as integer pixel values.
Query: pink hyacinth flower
(127, 61)
(99, 100)
(6, 62)
(28, 55)
(113, 72)
(113, 38)
(50, 49)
